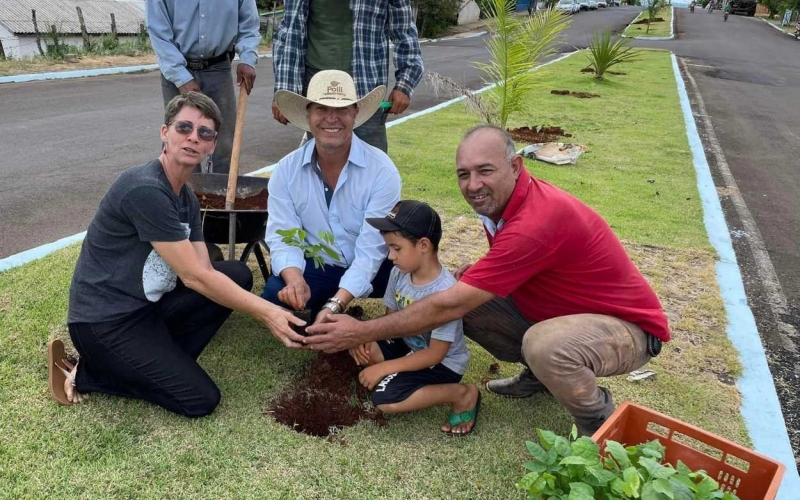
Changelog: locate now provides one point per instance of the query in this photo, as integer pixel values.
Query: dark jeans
(217, 83)
(373, 131)
(151, 353)
(324, 283)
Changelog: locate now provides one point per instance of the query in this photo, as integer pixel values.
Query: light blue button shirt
(200, 29)
(369, 186)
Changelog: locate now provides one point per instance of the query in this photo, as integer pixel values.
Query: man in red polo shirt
(556, 291)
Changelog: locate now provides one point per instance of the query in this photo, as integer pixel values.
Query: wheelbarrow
(233, 207)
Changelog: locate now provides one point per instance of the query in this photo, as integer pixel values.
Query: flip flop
(57, 374)
(464, 417)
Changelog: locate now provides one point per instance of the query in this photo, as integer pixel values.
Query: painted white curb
(671, 29)
(777, 27)
(761, 408)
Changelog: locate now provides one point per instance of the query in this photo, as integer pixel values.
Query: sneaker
(522, 385)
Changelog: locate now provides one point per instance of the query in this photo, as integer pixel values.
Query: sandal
(59, 371)
(463, 418)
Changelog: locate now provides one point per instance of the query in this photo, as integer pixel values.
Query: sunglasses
(204, 133)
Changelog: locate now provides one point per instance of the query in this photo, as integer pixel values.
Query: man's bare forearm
(419, 317)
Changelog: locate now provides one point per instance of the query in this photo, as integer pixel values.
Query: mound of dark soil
(327, 397)
(532, 135)
(647, 21)
(579, 95)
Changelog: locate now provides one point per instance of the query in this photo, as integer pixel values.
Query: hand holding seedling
(296, 293)
(278, 323)
(340, 332)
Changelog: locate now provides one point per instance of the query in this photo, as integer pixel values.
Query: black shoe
(522, 385)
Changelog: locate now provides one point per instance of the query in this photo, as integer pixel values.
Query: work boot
(522, 385)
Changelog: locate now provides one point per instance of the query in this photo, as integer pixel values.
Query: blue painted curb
(761, 408)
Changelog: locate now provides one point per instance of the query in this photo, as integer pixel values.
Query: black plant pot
(305, 315)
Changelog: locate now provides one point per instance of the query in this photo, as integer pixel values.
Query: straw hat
(331, 88)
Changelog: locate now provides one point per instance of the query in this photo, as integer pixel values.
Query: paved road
(748, 76)
(63, 142)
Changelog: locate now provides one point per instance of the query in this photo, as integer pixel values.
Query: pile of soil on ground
(257, 201)
(579, 95)
(531, 135)
(646, 21)
(589, 69)
(326, 398)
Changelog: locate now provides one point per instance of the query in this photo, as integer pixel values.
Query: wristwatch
(334, 305)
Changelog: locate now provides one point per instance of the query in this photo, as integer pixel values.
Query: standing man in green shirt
(351, 36)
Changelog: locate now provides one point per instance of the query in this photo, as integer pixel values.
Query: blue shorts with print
(397, 387)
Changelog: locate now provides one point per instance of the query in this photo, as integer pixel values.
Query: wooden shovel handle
(233, 174)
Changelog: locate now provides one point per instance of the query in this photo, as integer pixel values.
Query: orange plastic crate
(749, 475)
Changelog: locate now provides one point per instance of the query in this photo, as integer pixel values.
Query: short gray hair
(196, 100)
(511, 150)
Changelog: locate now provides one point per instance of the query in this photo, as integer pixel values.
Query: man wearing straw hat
(332, 183)
(351, 36)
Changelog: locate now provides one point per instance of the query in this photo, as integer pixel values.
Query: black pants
(152, 353)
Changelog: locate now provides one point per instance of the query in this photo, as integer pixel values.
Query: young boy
(418, 371)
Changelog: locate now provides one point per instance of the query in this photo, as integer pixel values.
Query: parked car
(592, 5)
(602, 4)
(583, 4)
(613, 3)
(568, 6)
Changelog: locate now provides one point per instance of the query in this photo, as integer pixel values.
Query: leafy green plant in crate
(574, 469)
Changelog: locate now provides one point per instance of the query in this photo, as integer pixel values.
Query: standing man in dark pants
(195, 41)
(351, 36)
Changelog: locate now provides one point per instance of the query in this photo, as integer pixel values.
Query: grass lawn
(656, 29)
(789, 28)
(637, 174)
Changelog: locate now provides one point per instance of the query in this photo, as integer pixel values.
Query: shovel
(233, 174)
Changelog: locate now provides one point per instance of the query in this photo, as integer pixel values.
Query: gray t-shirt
(118, 270)
(401, 292)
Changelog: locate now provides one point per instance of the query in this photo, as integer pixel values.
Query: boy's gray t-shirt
(401, 292)
(118, 270)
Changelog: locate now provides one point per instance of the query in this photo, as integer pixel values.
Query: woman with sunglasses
(145, 299)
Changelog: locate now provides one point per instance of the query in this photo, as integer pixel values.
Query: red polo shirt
(556, 256)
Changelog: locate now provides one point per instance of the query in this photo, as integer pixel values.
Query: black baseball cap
(411, 216)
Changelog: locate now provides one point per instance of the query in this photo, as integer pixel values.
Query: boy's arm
(425, 358)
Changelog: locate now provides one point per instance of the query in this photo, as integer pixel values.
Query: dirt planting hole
(579, 95)
(532, 135)
(326, 398)
(648, 21)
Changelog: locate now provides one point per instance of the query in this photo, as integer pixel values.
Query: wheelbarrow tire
(214, 253)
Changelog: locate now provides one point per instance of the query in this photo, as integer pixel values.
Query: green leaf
(574, 460)
(573, 435)
(618, 486)
(552, 456)
(648, 493)
(546, 438)
(602, 476)
(682, 491)
(586, 448)
(527, 481)
(536, 451)
(535, 466)
(655, 469)
(562, 446)
(705, 487)
(331, 252)
(580, 491)
(633, 482)
(619, 453)
(664, 487)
